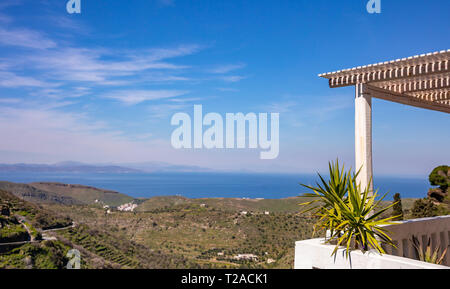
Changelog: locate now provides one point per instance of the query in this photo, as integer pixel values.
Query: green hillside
(33, 194)
(36, 215)
(201, 236)
(100, 246)
(21, 221)
(162, 202)
(226, 204)
(84, 194)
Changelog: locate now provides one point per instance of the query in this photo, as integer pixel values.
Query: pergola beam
(404, 99)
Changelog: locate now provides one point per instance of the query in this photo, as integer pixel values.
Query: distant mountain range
(164, 167)
(76, 167)
(66, 167)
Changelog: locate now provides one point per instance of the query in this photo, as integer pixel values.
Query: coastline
(210, 185)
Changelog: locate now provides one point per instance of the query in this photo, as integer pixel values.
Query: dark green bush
(397, 209)
(440, 177)
(424, 208)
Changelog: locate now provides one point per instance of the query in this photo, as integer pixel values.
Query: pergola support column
(363, 137)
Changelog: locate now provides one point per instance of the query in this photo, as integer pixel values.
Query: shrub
(349, 212)
(397, 209)
(424, 208)
(13, 233)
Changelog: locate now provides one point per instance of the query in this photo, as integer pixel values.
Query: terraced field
(190, 234)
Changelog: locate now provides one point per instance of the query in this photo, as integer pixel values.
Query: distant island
(77, 167)
(65, 167)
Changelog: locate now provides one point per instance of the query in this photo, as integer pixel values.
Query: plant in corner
(425, 254)
(351, 214)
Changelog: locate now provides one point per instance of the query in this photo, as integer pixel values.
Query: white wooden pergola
(421, 81)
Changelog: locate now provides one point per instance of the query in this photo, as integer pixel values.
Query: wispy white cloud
(164, 110)
(167, 53)
(27, 38)
(131, 97)
(226, 68)
(162, 77)
(10, 100)
(60, 71)
(313, 114)
(44, 133)
(233, 78)
(54, 133)
(59, 93)
(60, 68)
(10, 79)
(144, 136)
(281, 106)
(105, 66)
(228, 89)
(68, 23)
(182, 100)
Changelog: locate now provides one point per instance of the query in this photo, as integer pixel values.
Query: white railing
(313, 253)
(435, 228)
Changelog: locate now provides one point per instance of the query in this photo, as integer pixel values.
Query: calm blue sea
(200, 185)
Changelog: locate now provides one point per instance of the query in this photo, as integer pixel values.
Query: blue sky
(101, 86)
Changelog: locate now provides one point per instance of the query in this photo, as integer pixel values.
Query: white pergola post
(363, 137)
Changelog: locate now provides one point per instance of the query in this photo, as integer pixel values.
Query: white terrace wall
(436, 228)
(312, 253)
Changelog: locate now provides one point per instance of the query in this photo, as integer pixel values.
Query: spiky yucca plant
(349, 213)
(425, 254)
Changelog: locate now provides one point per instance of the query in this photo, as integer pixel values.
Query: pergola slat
(425, 77)
(347, 79)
